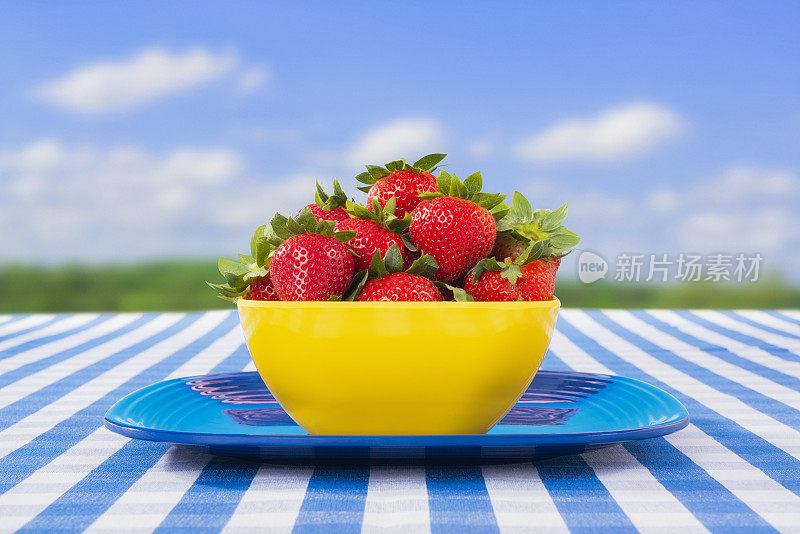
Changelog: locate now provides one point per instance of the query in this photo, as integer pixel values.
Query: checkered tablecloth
(737, 465)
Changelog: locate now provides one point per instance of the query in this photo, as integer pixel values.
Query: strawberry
(386, 281)
(376, 230)
(262, 289)
(455, 226)
(401, 287)
(400, 180)
(526, 255)
(524, 226)
(329, 208)
(531, 281)
(310, 261)
(249, 277)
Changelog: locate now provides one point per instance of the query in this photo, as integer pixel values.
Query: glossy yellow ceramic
(397, 367)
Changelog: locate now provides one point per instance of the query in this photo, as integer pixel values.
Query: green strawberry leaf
(257, 273)
(522, 208)
(225, 292)
(356, 286)
(258, 234)
(330, 202)
(279, 229)
(564, 239)
(306, 220)
(408, 243)
(399, 225)
(366, 178)
(429, 162)
(488, 200)
(377, 265)
(389, 207)
(345, 235)
(321, 196)
(499, 212)
(553, 220)
(424, 266)
(393, 259)
(357, 210)
(511, 273)
(364, 188)
(485, 264)
(395, 165)
(443, 183)
(231, 270)
(377, 171)
(430, 195)
(459, 294)
(296, 228)
(457, 188)
(474, 182)
(263, 248)
(337, 190)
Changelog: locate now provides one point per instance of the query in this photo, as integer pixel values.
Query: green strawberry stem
(330, 202)
(449, 185)
(542, 226)
(240, 274)
(382, 215)
(282, 228)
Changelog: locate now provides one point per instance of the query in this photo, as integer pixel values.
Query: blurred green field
(179, 285)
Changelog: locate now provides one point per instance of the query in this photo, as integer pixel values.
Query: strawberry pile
(418, 237)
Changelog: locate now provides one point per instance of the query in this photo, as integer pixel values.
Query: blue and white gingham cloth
(736, 467)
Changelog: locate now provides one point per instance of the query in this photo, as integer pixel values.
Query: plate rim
(397, 440)
(402, 440)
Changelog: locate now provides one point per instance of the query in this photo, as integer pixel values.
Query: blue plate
(560, 413)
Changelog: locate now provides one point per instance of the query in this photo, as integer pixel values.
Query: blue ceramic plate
(559, 413)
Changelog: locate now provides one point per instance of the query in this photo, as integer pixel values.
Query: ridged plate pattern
(559, 413)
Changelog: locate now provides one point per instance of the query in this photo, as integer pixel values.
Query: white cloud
(744, 209)
(409, 137)
(616, 134)
(63, 202)
(481, 149)
(121, 85)
(761, 230)
(734, 186)
(745, 183)
(252, 79)
(663, 200)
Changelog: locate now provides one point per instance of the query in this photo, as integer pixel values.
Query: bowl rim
(339, 305)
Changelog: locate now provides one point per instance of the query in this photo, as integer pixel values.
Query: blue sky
(143, 130)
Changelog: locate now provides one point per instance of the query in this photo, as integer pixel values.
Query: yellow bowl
(397, 367)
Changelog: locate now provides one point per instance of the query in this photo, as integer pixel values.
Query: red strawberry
(507, 246)
(457, 230)
(386, 281)
(534, 281)
(371, 237)
(262, 289)
(403, 185)
(329, 208)
(400, 287)
(322, 214)
(376, 230)
(523, 226)
(400, 180)
(309, 263)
